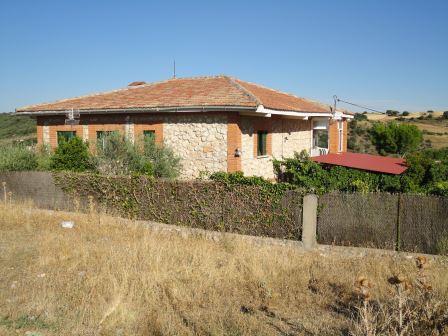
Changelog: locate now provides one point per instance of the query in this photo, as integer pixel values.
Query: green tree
(72, 155)
(119, 156)
(360, 117)
(395, 138)
(164, 162)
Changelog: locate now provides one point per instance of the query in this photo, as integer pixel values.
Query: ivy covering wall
(252, 209)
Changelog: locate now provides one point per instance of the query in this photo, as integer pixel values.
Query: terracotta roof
(374, 163)
(185, 92)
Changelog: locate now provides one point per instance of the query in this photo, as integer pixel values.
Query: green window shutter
(65, 135)
(149, 135)
(100, 135)
(262, 137)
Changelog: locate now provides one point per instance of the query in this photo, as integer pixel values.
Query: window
(262, 139)
(320, 138)
(65, 135)
(340, 135)
(149, 135)
(100, 137)
(320, 133)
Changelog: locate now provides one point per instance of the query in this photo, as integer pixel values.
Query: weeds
(411, 308)
(110, 276)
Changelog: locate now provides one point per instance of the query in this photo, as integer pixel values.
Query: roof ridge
(247, 92)
(286, 93)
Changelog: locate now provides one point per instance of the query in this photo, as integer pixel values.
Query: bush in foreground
(119, 156)
(72, 155)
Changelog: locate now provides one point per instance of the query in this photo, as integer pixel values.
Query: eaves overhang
(173, 109)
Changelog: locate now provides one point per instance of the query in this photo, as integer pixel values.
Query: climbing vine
(227, 203)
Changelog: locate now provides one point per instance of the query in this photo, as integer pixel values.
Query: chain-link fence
(404, 222)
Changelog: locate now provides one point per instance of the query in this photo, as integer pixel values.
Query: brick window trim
(53, 133)
(268, 142)
(156, 127)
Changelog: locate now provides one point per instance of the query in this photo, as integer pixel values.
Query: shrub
(395, 138)
(445, 115)
(72, 155)
(351, 144)
(442, 245)
(424, 175)
(17, 158)
(360, 117)
(43, 157)
(118, 156)
(164, 162)
(405, 113)
(440, 188)
(392, 113)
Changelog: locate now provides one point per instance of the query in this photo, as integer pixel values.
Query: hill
(15, 128)
(433, 126)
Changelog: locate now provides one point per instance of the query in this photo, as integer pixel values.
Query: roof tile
(185, 92)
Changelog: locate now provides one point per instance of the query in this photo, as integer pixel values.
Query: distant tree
(395, 138)
(445, 115)
(392, 113)
(430, 111)
(405, 113)
(360, 117)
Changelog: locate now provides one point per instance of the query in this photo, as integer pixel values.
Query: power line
(353, 104)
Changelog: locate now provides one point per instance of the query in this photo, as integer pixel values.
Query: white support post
(309, 221)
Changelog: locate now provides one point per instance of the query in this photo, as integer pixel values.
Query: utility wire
(363, 107)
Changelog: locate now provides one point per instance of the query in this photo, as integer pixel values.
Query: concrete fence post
(309, 221)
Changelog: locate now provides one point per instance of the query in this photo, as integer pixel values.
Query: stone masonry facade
(285, 136)
(206, 142)
(200, 139)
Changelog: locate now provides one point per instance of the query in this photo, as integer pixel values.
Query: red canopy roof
(375, 163)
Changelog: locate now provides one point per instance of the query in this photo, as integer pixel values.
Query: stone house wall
(200, 140)
(285, 137)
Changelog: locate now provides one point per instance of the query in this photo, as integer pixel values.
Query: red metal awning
(374, 163)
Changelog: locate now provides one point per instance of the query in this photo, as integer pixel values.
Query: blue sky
(385, 54)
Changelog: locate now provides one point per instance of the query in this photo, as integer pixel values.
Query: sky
(384, 54)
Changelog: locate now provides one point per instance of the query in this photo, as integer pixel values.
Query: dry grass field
(113, 277)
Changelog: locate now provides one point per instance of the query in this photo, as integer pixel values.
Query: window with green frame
(65, 135)
(262, 139)
(100, 135)
(147, 134)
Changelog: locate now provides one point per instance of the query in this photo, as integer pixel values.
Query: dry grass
(110, 277)
(384, 117)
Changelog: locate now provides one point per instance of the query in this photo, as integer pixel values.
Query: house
(214, 123)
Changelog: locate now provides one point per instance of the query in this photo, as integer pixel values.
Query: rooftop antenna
(174, 69)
